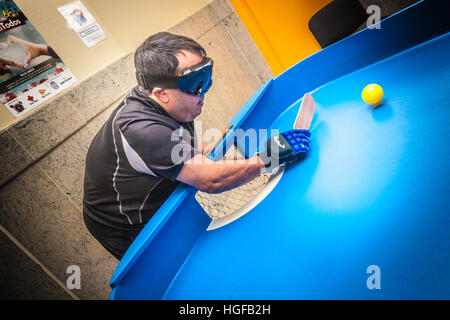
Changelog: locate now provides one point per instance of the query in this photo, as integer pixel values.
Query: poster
(84, 24)
(30, 70)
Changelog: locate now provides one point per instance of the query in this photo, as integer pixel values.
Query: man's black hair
(156, 55)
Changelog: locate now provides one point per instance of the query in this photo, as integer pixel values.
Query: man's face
(186, 107)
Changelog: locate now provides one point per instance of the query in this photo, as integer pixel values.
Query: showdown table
(368, 207)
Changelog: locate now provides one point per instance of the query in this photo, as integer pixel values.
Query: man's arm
(215, 177)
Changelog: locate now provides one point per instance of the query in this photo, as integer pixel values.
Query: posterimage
(83, 23)
(30, 70)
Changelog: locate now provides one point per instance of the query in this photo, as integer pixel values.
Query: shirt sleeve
(158, 148)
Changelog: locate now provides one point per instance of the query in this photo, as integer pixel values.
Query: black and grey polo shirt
(130, 165)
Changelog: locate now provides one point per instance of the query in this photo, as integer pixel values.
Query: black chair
(337, 20)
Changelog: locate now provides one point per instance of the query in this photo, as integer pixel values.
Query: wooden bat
(306, 113)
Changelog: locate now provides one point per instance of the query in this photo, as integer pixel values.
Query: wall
(42, 158)
(282, 44)
(125, 25)
(280, 28)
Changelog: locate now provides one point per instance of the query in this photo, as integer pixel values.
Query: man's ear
(161, 94)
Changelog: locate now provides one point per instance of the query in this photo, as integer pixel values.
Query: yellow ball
(372, 94)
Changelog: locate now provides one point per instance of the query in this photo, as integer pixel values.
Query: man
(134, 163)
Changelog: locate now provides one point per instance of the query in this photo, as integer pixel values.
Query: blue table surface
(374, 190)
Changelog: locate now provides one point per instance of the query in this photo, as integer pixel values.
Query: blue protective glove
(286, 147)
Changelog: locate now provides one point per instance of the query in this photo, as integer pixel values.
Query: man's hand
(5, 65)
(285, 147)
